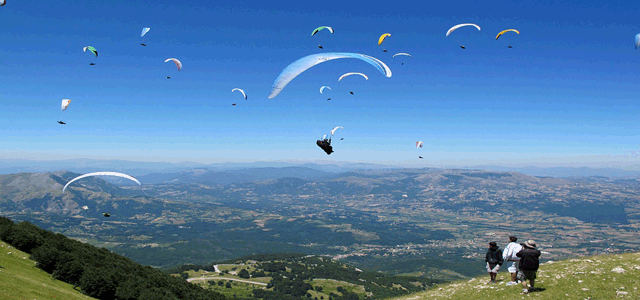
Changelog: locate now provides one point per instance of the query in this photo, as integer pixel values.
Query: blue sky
(565, 94)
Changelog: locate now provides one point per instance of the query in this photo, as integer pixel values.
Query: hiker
(529, 263)
(509, 255)
(494, 260)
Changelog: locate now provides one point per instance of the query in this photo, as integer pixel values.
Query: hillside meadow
(610, 276)
(20, 279)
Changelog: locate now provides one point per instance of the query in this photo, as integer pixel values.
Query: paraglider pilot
(325, 144)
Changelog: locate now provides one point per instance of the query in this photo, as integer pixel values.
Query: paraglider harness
(325, 145)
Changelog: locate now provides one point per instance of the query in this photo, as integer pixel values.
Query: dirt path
(234, 279)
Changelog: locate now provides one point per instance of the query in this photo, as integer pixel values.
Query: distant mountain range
(159, 171)
(402, 217)
(136, 168)
(564, 171)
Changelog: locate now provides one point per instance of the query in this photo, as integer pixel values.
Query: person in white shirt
(509, 256)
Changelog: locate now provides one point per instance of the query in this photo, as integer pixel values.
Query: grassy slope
(20, 279)
(583, 278)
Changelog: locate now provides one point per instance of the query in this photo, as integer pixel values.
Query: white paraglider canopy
(101, 174)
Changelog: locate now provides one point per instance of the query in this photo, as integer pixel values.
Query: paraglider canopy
(241, 91)
(637, 40)
(144, 31)
(101, 174)
(505, 31)
(3, 2)
(323, 87)
(461, 25)
(336, 128)
(382, 38)
(303, 64)
(176, 61)
(91, 49)
(405, 54)
(65, 103)
(320, 28)
(353, 73)
(419, 144)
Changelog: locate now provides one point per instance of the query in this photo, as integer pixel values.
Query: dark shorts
(529, 275)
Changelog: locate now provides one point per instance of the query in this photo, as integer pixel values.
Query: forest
(97, 272)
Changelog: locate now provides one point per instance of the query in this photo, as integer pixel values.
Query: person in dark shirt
(494, 260)
(529, 264)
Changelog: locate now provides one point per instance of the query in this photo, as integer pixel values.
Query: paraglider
(402, 54)
(320, 28)
(92, 64)
(420, 157)
(144, 31)
(106, 214)
(320, 46)
(3, 2)
(382, 38)
(294, 69)
(233, 104)
(505, 31)
(418, 146)
(101, 174)
(91, 49)
(328, 99)
(63, 106)
(384, 50)
(168, 77)
(351, 93)
(323, 87)
(241, 91)
(336, 128)
(176, 61)
(637, 40)
(353, 73)
(461, 25)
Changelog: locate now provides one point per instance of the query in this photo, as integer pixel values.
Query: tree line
(97, 272)
(292, 277)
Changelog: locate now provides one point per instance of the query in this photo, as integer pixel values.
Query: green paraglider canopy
(320, 28)
(93, 50)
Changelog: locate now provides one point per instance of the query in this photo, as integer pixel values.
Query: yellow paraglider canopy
(505, 31)
(382, 37)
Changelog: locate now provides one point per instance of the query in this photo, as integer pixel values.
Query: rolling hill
(20, 279)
